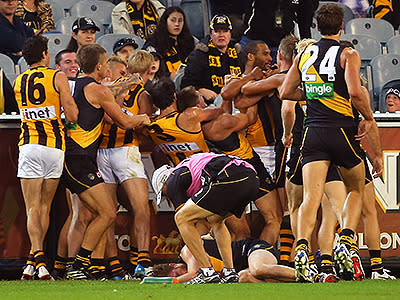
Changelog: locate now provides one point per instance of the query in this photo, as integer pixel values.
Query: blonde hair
(140, 62)
(303, 44)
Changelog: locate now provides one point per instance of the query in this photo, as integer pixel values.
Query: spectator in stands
(13, 31)
(234, 9)
(137, 17)
(388, 10)
(7, 96)
(83, 33)
(208, 64)
(66, 62)
(392, 99)
(272, 20)
(124, 48)
(172, 40)
(36, 14)
(359, 7)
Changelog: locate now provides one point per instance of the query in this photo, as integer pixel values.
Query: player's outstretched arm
(67, 101)
(288, 118)
(106, 100)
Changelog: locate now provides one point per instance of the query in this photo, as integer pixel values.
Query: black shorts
(280, 164)
(178, 183)
(267, 184)
(368, 176)
(241, 251)
(228, 191)
(80, 173)
(295, 174)
(336, 145)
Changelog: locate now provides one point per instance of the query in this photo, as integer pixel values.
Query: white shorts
(37, 161)
(267, 155)
(119, 164)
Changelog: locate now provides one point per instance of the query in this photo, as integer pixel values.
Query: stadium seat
(379, 29)
(57, 42)
(367, 46)
(99, 10)
(65, 25)
(178, 80)
(64, 5)
(393, 45)
(107, 41)
(23, 65)
(58, 11)
(315, 34)
(7, 64)
(196, 12)
(384, 68)
(386, 86)
(348, 13)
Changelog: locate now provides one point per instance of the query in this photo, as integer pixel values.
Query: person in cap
(124, 48)
(207, 186)
(392, 99)
(172, 40)
(208, 64)
(83, 33)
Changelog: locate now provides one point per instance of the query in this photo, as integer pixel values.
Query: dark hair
(88, 57)
(329, 18)
(59, 55)
(162, 270)
(347, 44)
(162, 93)
(72, 45)
(161, 40)
(33, 49)
(185, 98)
(252, 47)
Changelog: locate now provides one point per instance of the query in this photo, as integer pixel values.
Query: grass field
(245, 291)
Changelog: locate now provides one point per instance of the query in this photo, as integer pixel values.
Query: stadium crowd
(227, 113)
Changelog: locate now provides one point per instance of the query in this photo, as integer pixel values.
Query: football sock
(60, 263)
(347, 238)
(133, 256)
(326, 264)
(82, 259)
(144, 258)
(302, 245)
(286, 240)
(97, 267)
(31, 259)
(39, 259)
(114, 267)
(376, 261)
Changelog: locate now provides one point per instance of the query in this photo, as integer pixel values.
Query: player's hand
(363, 129)
(377, 169)
(145, 120)
(272, 70)
(256, 73)
(208, 94)
(287, 140)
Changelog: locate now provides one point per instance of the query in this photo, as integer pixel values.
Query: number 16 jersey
(40, 109)
(328, 101)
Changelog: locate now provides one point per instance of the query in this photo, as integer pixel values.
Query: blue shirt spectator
(13, 31)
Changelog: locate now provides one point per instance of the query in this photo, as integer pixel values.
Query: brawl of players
(285, 137)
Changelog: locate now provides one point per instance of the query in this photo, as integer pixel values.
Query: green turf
(244, 291)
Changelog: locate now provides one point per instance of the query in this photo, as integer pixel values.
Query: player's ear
(250, 56)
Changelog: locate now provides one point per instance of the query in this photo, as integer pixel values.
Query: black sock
(31, 259)
(286, 240)
(144, 259)
(39, 259)
(326, 264)
(347, 237)
(376, 261)
(82, 259)
(97, 267)
(60, 263)
(133, 256)
(302, 244)
(114, 267)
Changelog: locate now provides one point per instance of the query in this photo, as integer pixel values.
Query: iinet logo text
(38, 113)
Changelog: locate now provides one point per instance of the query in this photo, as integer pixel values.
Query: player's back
(84, 136)
(328, 101)
(174, 141)
(40, 108)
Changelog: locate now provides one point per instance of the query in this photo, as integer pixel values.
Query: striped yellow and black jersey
(40, 108)
(84, 136)
(175, 142)
(328, 101)
(235, 144)
(262, 132)
(113, 136)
